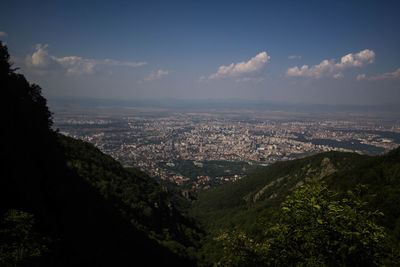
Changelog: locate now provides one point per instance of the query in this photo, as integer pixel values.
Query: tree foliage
(20, 243)
(316, 228)
(97, 213)
(139, 198)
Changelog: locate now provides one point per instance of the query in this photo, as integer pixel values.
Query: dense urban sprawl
(157, 144)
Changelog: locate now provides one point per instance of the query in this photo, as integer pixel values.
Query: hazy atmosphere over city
(319, 52)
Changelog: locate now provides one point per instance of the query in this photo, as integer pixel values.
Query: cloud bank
(156, 76)
(384, 76)
(294, 57)
(329, 68)
(42, 62)
(243, 71)
(3, 34)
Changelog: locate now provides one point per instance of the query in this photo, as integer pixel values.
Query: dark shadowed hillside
(64, 203)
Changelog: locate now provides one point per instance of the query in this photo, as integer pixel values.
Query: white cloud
(42, 62)
(361, 77)
(338, 76)
(40, 58)
(328, 68)
(113, 62)
(156, 75)
(384, 76)
(77, 65)
(358, 60)
(3, 34)
(294, 57)
(250, 79)
(241, 69)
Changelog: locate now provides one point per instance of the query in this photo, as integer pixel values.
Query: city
(198, 150)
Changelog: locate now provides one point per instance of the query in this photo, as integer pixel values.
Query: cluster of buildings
(156, 143)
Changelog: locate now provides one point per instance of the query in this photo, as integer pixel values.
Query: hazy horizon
(219, 107)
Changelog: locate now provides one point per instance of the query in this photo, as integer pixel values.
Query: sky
(318, 52)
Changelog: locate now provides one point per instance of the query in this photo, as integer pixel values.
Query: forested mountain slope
(64, 203)
(381, 175)
(148, 206)
(260, 193)
(254, 202)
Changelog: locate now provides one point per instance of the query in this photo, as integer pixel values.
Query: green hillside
(255, 201)
(155, 209)
(259, 193)
(381, 175)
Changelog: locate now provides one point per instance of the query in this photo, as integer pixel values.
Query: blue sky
(333, 52)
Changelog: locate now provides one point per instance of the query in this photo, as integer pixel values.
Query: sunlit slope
(259, 195)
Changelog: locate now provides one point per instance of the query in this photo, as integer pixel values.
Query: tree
(19, 242)
(240, 250)
(23, 105)
(316, 228)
